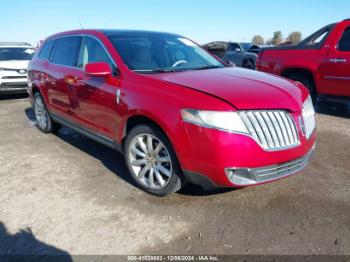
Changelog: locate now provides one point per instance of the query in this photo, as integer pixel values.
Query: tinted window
(344, 43)
(92, 51)
(46, 50)
(66, 50)
(16, 53)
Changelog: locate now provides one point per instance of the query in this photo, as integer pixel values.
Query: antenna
(81, 25)
(82, 28)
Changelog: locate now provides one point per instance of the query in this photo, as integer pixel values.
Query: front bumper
(13, 82)
(210, 154)
(252, 176)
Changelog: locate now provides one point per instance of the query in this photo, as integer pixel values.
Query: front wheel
(151, 161)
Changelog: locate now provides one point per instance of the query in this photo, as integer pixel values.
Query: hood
(242, 88)
(14, 64)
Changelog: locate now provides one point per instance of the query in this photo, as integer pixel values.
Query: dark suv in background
(232, 52)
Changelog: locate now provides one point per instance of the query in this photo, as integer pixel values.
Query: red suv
(178, 113)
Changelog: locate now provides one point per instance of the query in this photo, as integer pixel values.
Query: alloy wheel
(41, 114)
(150, 161)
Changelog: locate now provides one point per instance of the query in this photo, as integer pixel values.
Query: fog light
(242, 177)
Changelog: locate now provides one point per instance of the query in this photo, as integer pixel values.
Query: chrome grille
(273, 129)
(14, 77)
(308, 114)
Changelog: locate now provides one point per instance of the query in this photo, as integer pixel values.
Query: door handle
(337, 60)
(73, 81)
(70, 80)
(43, 78)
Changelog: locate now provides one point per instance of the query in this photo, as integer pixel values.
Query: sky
(203, 21)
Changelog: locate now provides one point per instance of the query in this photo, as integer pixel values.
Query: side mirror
(237, 50)
(98, 69)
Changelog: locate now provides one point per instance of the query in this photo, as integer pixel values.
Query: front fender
(162, 102)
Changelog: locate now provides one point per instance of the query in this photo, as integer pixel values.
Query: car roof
(132, 32)
(121, 32)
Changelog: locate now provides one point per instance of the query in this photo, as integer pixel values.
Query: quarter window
(344, 43)
(92, 51)
(65, 50)
(320, 38)
(46, 50)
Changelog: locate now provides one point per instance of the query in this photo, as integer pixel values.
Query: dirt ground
(65, 194)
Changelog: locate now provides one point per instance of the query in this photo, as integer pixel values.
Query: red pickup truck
(321, 62)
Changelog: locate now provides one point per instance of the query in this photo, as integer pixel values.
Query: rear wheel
(307, 82)
(43, 120)
(151, 161)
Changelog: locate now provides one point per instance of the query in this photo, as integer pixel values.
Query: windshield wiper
(206, 67)
(156, 70)
(169, 70)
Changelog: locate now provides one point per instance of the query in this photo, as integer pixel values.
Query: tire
(42, 116)
(307, 82)
(249, 64)
(151, 161)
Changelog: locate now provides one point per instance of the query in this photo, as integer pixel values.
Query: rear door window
(66, 50)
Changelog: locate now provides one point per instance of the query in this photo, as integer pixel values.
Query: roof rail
(348, 19)
(15, 44)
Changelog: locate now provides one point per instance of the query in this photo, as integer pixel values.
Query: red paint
(88, 99)
(330, 78)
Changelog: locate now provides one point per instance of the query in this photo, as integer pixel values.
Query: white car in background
(14, 59)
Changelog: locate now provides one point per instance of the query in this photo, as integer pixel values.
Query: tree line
(277, 39)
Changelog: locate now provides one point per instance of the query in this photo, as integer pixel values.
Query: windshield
(146, 53)
(16, 53)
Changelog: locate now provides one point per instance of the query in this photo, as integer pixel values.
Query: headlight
(226, 121)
